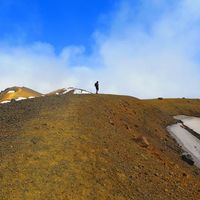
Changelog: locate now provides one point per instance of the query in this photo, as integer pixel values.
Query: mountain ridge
(22, 93)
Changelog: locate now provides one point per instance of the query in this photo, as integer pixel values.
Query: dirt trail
(84, 147)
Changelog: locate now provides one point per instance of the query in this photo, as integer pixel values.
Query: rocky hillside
(94, 147)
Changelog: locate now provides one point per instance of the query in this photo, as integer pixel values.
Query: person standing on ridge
(97, 87)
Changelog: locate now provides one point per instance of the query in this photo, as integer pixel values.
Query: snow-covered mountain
(69, 90)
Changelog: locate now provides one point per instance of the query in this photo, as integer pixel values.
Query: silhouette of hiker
(97, 87)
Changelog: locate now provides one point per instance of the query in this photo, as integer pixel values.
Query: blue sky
(143, 48)
(58, 22)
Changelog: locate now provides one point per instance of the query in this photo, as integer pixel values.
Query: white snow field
(185, 139)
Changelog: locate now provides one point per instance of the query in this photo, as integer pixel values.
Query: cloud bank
(148, 50)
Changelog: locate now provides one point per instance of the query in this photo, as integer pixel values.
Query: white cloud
(36, 66)
(155, 59)
(143, 54)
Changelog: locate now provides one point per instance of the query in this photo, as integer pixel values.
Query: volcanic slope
(17, 92)
(86, 147)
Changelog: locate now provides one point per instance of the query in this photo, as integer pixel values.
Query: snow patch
(68, 90)
(86, 92)
(10, 92)
(185, 139)
(191, 122)
(4, 102)
(76, 91)
(20, 98)
(31, 97)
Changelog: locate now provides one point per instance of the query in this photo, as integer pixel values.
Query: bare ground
(85, 147)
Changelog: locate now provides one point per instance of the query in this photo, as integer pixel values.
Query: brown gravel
(86, 147)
